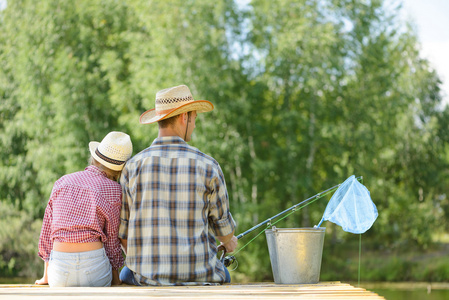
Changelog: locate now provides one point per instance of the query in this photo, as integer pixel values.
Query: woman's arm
(115, 278)
(44, 279)
(229, 242)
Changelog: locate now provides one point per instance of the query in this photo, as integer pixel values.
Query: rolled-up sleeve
(45, 241)
(220, 216)
(112, 244)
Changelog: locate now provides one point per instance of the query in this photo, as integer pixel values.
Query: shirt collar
(95, 170)
(168, 140)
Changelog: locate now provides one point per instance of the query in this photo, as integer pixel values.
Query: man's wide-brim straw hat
(113, 151)
(172, 102)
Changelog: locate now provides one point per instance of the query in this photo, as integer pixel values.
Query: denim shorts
(90, 268)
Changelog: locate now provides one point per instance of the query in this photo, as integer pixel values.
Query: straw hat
(172, 102)
(113, 151)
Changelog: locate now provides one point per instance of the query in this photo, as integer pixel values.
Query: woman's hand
(42, 281)
(115, 278)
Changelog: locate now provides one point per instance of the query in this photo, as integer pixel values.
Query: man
(175, 203)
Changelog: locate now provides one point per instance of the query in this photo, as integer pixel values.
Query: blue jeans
(90, 268)
(228, 276)
(127, 276)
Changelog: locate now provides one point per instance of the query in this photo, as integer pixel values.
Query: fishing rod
(228, 260)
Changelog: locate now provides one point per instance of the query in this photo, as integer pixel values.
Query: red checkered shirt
(84, 207)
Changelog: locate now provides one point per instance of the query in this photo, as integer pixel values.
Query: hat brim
(200, 106)
(92, 147)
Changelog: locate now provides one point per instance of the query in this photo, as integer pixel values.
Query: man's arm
(219, 214)
(124, 213)
(124, 245)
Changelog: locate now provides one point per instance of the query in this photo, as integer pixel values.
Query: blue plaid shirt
(174, 204)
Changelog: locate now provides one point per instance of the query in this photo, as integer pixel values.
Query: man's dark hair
(169, 121)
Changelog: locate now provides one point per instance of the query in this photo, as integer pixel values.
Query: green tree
(306, 93)
(388, 119)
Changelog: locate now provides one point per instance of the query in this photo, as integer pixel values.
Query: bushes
(340, 262)
(435, 270)
(19, 235)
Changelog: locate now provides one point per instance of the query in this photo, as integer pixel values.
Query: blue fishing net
(351, 207)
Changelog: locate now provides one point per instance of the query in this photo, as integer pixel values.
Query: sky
(431, 18)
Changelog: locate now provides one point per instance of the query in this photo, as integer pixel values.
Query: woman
(79, 237)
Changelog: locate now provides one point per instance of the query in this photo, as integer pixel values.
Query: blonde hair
(111, 174)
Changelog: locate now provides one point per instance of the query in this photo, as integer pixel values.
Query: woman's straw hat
(172, 102)
(113, 151)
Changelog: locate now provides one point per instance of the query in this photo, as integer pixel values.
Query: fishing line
(319, 196)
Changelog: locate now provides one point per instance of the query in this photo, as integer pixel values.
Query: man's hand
(230, 245)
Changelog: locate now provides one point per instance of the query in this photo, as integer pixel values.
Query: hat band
(109, 160)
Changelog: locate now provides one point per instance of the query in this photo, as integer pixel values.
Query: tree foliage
(306, 93)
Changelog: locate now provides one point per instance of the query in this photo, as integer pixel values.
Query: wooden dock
(322, 290)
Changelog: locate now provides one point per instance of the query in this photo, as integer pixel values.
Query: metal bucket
(295, 254)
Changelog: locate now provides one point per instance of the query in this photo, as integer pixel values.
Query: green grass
(17, 280)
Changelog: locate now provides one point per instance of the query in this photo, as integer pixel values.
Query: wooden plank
(324, 290)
